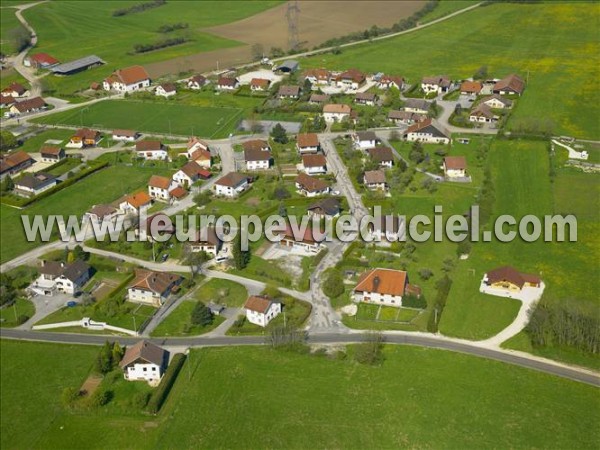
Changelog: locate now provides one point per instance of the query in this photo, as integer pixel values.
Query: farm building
(79, 65)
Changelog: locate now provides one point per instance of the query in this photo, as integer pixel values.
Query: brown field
(105, 287)
(318, 21)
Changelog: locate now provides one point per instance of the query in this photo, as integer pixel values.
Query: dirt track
(317, 22)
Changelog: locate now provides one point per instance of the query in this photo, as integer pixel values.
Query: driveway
(44, 306)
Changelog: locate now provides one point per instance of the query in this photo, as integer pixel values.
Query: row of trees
(143, 48)
(140, 7)
(173, 27)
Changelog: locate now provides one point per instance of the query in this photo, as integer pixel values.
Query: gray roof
(417, 103)
(147, 352)
(71, 271)
(366, 136)
(290, 65)
(329, 206)
(35, 181)
(80, 63)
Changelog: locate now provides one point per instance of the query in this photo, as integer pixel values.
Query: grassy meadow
(555, 45)
(343, 403)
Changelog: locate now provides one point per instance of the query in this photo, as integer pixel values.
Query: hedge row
(443, 286)
(160, 394)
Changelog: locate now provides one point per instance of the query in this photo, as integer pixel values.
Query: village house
(12, 163)
(289, 92)
(125, 135)
(310, 186)
(228, 84)
(152, 288)
(34, 184)
(405, 117)
(151, 150)
(134, 204)
(438, 84)
(509, 279)
(52, 154)
(389, 82)
(102, 213)
(40, 61)
(259, 84)
(455, 167)
(201, 157)
(384, 229)
(334, 112)
(166, 90)
(7, 102)
(374, 180)
(257, 154)
(190, 173)
(60, 277)
(84, 137)
(482, 113)
(231, 185)
(314, 164)
(352, 79)
(158, 223)
(15, 90)
(384, 287)
(144, 361)
(306, 242)
(307, 143)
(159, 187)
(326, 208)
(206, 240)
(417, 106)
(31, 105)
(365, 98)
(495, 101)
(129, 79)
(318, 99)
(382, 156)
(364, 139)
(260, 310)
(470, 87)
(510, 85)
(197, 82)
(317, 76)
(428, 132)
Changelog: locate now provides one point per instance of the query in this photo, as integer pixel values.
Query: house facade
(231, 185)
(166, 90)
(428, 132)
(52, 154)
(144, 361)
(438, 84)
(310, 186)
(384, 287)
(455, 166)
(334, 112)
(34, 184)
(382, 156)
(159, 187)
(60, 277)
(307, 143)
(364, 139)
(314, 164)
(261, 310)
(130, 79)
(84, 137)
(152, 288)
(374, 180)
(125, 135)
(151, 150)
(257, 154)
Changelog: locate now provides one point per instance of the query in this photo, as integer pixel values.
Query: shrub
(412, 301)
(100, 398)
(201, 315)
(333, 286)
(140, 400)
(425, 274)
(140, 7)
(443, 286)
(160, 394)
(370, 352)
(69, 395)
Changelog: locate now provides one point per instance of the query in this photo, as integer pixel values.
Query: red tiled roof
(44, 58)
(383, 281)
(512, 82)
(132, 75)
(232, 179)
(314, 160)
(50, 150)
(337, 108)
(178, 192)
(139, 199)
(258, 304)
(260, 82)
(145, 146)
(455, 162)
(311, 184)
(471, 86)
(308, 140)
(159, 182)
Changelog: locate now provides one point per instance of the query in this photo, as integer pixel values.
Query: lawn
(426, 387)
(34, 143)
(8, 24)
(149, 117)
(58, 24)
(558, 60)
(9, 315)
(178, 322)
(114, 181)
(223, 292)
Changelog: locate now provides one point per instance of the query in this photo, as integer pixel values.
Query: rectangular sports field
(177, 119)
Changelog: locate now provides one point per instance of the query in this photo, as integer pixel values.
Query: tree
(202, 198)
(307, 85)
(333, 286)
(70, 257)
(258, 52)
(19, 38)
(240, 257)
(282, 210)
(79, 253)
(370, 352)
(464, 248)
(8, 292)
(277, 52)
(481, 73)
(7, 185)
(201, 315)
(104, 363)
(69, 395)
(117, 353)
(278, 134)
(7, 140)
(416, 154)
(425, 274)
(280, 193)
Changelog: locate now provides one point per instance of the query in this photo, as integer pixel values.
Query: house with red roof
(190, 173)
(159, 187)
(384, 287)
(152, 288)
(129, 79)
(260, 310)
(40, 61)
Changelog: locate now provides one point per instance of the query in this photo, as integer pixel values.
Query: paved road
(515, 358)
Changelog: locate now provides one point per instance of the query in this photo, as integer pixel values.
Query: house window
(145, 369)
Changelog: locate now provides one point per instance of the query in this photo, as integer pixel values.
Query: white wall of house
(182, 179)
(427, 138)
(494, 103)
(153, 154)
(117, 137)
(309, 149)
(455, 173)
(335, 117)
(162, 93)
(261, 319)
(378, 299)
(37, 190)
(231, 192)
(315, 170)
(363, 145)
(121, 87)
(143, 371)
(258, 165)
(158, 193)
(144, 296)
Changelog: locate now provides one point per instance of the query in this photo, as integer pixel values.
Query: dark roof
(101, 211)
(127, 133)
(328, 206)
(440, 80)
(72, 271)
(78, 64)
(148, 146)
(168, 87)
(51, 150)
(512, 82)
(365, 96)
(157, 282)
(366, 136)
(30, 104)
(427, 126)
(232, 179)
(289, 65)
(314, 161)
(224, 81)
(256, 154)
(352, 74)
(417, 103)
(145, 351)
(38, 180)
(200, 79)
(255, 144)
(206, 236)
(511, 275)
(289, 91)
(318, 98)
(374, 176)
(381, 154)
(311, 184)
(307, 140)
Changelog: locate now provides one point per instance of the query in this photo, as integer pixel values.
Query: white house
(495, 101)
(383, 229)
(438, 84)
(135, 204)
(151, 150)
(190, 173)
(364, 139)
(318, 76)
(389, 81)
(384, 287)
(314, 164)
(257, 154)
(125, 135)
(365, 98)
(482, 113)
(159, 187)
(60, 277)
(101, 213)
(351, 79)
(206, 241)
(152, 288)
(455, 166)
(144, 361)
(15, 90)
(166, 90)
(84, 137)
(308, 243)
(197, 82)
(509, 85)
(130, 79)
(195, 144)
(231, 185)
(382, 156)
(374, 180)
(310, 186)
(261, 310)
(228, 84)
(259, 84)
(334, 112)
(52, 154)
(417, 106)
(307, 143)
(34, 184)
(428, 132)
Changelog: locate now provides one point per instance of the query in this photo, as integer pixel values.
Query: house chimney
(62, 264)
(376, 281)
(44, 262)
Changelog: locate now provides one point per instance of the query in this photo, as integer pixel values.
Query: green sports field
(418, 398)
(555, 45)
(150, 117)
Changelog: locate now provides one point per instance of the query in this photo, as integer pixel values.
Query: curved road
(575, 374)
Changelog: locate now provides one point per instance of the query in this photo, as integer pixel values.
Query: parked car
(164, 257)
(71, 304)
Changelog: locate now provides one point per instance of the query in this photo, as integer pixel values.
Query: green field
(560, 58)
(178, 322)
(342, 403)
(33, 144)
(151, 118)
(59, 24)
(8, 23)
(115, 181)
(9, 315)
